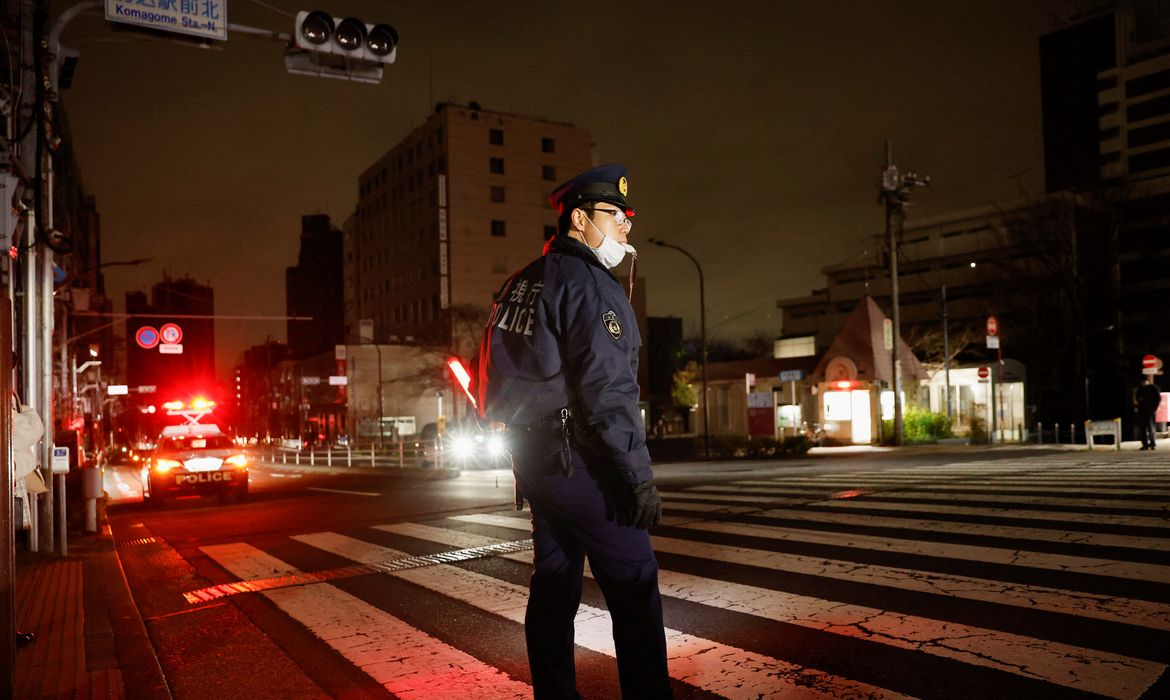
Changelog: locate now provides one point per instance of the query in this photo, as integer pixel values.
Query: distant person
(558, 366)
(1146, 400)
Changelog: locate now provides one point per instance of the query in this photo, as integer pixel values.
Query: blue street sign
(792, 375)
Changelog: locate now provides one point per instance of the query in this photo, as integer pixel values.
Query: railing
(425, 454)
(1059, 434)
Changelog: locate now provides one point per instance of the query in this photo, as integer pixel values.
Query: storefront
(978, 403)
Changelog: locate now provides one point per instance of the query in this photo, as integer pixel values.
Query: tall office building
(313, 289)
(1105, 86)
(444, 216)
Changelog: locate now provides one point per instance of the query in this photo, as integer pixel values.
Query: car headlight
(462, 446)
(496, 446)
(165, 465)
(237, 460)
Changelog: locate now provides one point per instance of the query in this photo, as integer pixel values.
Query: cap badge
(612, 324)
(623, 186)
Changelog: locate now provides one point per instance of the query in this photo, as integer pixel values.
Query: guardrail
(425, 454)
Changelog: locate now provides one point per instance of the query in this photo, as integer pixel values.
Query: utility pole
(946, 350)
(895, 194)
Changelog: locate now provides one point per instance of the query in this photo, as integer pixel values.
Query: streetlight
(703, 340)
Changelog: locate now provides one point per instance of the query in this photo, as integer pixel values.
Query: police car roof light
(190, 429)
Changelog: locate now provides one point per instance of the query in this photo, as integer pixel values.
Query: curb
(142, 675)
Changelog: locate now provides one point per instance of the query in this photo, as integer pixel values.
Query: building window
(496, 137)
(497, 194)
(548, 145)
(496, 165)
(499, 228)
(548, 172)
(549, 231)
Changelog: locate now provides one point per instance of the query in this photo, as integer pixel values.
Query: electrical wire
(277, 10)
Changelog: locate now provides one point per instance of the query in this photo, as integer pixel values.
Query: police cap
(605, 183)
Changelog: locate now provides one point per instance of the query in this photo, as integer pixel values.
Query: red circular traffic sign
(170, 333)
(1150, 362)
(984, 372)
(146, 337)
(992, 326)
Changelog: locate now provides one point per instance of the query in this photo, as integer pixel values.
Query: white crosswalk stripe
(738, 669)
(928, 562)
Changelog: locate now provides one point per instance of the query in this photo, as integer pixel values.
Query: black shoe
(1144, 448)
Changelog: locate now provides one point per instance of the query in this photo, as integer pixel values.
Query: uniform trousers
(573, 518)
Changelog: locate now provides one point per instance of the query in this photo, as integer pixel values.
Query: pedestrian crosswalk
(1040, 577)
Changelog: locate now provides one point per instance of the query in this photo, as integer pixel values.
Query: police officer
(558, 366)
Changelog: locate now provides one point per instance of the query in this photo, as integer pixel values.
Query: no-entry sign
(984, 372)
(1151, 364)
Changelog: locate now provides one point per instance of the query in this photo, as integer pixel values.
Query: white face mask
(610, 252)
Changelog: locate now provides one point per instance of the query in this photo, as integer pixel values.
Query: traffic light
(340, 48)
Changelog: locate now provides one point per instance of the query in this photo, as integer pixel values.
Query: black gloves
(647, 505)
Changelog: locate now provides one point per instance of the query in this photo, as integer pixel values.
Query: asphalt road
(932, 573)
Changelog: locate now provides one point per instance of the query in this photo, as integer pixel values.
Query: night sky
(754, 134)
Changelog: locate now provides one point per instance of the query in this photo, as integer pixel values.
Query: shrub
(920, 426)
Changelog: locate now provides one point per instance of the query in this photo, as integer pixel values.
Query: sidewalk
(90, 641)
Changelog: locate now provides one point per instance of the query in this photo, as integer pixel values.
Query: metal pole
(946, 351)
(7, 536)
(702, 341)
(381, 407)
(892, 207)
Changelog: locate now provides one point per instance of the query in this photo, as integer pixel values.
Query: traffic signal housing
(346, 48)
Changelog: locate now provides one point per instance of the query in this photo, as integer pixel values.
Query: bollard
(348, 456)
(372, 457)
(312, 457)
(298, 458)
(400, 453)
(329, 457)
(1039, 433)
(91, 486)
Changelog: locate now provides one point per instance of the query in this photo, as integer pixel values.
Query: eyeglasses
(619, 216)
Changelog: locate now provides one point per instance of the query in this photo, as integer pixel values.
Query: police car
(195, 459)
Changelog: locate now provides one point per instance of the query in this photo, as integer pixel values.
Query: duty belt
(558, 424)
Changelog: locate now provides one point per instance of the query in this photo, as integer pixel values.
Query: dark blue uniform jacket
(563, 334)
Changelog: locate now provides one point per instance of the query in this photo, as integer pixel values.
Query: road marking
(1051, 497)
(1065, 602)
(1014, 513)
(390, 565)
(960, 552)
(343, 491)
(406, 661)
(1053, 662)
(737, 674)
(942, 526)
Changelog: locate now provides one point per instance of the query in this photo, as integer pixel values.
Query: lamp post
(702, 340)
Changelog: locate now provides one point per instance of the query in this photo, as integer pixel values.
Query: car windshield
(196, 442)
